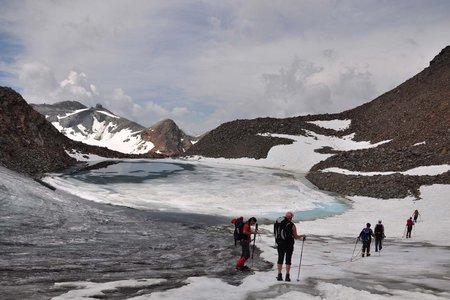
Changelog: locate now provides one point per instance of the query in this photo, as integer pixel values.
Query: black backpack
(238, 227)
(378, 230)
(282, 230)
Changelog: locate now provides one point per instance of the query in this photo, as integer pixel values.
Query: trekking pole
(254, 241)
(404, 232)
(300, 263)
(351, 258)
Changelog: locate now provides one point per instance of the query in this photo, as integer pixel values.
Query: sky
(203, 63)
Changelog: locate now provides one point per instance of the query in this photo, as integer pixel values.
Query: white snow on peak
(337, 125)
(72, 113)
(108, 114)
(125, 141)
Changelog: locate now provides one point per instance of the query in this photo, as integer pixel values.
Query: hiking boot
(362, 254)
(280, 277)
(288, 278)
(368, 254)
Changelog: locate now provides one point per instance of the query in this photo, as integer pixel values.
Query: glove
(304, 237)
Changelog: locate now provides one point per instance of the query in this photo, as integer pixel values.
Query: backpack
(281, 230)
(238, 227)
(378, 230)
(365, 234)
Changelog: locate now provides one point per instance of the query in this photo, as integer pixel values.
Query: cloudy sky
(202, 63)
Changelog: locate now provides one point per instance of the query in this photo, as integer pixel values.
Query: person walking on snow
(285, 235)
(379, 236)
(245, 243)
(366, 237)
(409, 227)
(416, 215)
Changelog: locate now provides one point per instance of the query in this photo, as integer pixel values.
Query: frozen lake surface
(214, 189)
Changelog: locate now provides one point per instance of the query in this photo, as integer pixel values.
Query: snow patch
(72, 113)
(108, 114)
(299, 156)
(94, 290)
(419, 171)
(337, 125)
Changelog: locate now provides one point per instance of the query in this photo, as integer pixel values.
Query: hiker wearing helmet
(379, 236)
(366, 237)
(285, 235)
(245, 243)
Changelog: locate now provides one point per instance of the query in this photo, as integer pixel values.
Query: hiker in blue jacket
(366, 237)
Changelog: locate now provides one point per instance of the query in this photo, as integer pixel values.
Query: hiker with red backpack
(245, 243)
(366, 237)
(285, 235)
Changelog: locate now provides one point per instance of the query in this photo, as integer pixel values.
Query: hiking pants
(378, 244)
(245, 249)
(366, 247)
(285, 251)
(408, 232)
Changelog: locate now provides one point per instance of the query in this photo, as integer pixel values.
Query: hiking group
(285, 233)
(366, 234)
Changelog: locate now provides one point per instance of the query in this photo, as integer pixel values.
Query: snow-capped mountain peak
(100, 127)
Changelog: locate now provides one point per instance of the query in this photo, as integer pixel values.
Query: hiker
(379, 236)
(245, 243)
(416, 215)
(409, 227)
(366, 237)
(285, 235)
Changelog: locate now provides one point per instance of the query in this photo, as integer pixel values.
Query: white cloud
(37, 80)
(203, 62)
(76, 86)
(122, 104)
